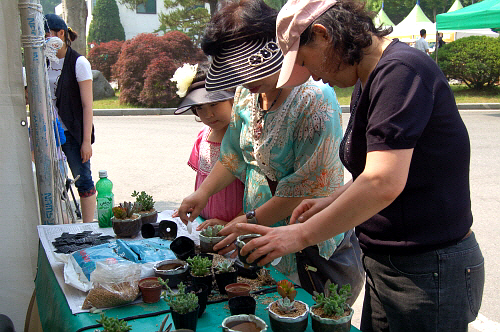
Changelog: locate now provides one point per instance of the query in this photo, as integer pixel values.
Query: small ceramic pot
(250, 323)
(242, 305)
(225, 278)
(174, 270)
(281, 323)
(207, 243)
(150, 289)
(183, 247)
(237, 289)
(185, 321)
(320, 324)
(127, 227)
(149, 217)
(240, 243)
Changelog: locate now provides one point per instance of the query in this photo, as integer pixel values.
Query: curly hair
(239, 21)
(350, 28)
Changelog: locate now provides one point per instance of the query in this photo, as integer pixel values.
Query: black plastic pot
(240, 243)
(186, 321)
(201, 292)
(249, 272)
(204, 280)
(242, 305)
(168, 230)
(224, 279)
(150, 230)
(183, 247)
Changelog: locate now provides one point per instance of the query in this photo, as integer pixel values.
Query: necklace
(274, 101)
(257, 126)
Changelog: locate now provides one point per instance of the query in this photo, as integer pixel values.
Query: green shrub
(105, 25)
(473, 60)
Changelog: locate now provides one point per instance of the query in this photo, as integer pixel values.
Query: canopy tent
(381, 19)
(409, 28)
(484, 14)
(456, 6)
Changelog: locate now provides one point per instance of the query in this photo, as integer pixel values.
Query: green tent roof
(456, 6)
(415, 16)
(382, 19)
(484, 14)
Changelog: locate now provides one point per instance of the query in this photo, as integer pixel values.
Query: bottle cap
(103, 174)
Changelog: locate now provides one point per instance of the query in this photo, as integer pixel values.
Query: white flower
(184, 76)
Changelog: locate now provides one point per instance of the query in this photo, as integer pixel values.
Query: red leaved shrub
(146, 64)
(104, 55)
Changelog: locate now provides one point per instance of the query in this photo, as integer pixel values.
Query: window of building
(149, 7)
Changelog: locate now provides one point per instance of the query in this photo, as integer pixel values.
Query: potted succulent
(240, 243)
(200, 290)
(126, 222)
(201, 271)
(184, 306)
(249, 323)
(111, 324)
(225, 274)
(331, 311)
(287, 314)
(146, 207)
(209, 237)
(174, 270)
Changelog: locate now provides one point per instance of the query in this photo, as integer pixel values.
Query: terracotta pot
(280, 323)
(174, 270)
(237, 289)
(248, 323)
(242, 305)
(320, 324)
(149, 217)
(150, 289)
(224, 279)
(127, 227)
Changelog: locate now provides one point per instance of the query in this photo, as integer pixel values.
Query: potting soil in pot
(296, 313)
(244, 326)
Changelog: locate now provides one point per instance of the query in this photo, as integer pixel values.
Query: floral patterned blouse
(296, 145)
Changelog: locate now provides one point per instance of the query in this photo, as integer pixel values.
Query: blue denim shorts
(440, 290)
(84, 184)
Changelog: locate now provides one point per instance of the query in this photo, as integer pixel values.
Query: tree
(49, 6)
(105, 25)
(75, 15)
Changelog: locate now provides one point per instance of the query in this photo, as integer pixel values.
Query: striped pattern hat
(243, 63)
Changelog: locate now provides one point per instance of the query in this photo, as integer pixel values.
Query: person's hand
(275, 242)
(231, 233)
(86, 151)
(308, 208)
(192, 205)
(211, 222)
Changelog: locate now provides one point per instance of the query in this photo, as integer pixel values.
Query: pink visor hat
(293, 19)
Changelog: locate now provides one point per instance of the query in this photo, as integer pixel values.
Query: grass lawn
(463, 95)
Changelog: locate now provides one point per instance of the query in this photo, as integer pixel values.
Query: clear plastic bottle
(105, 199)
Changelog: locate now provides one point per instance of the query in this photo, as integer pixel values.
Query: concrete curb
(170, 111)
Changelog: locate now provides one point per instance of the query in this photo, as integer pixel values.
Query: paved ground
(150, 153)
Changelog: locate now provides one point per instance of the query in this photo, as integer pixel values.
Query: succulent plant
(144, 200)
(180, 302)
(212, 231)
(111, 324)
(333, 300)
(200, 266)
(225, 266)
(285, 305)
(125, 210)
(286, 289)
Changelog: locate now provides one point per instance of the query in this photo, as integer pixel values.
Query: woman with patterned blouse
(281, 143)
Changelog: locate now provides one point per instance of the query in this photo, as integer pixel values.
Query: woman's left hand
(86, 151)
(275, 241)
(231, 233)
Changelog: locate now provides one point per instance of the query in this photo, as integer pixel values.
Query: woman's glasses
(264, 54)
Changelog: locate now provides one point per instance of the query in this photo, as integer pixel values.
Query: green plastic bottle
(105, 199)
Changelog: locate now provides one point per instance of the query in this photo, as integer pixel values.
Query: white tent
(381, 19)
(409, 28)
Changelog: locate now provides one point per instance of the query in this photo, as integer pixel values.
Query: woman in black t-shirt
(408, 151)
